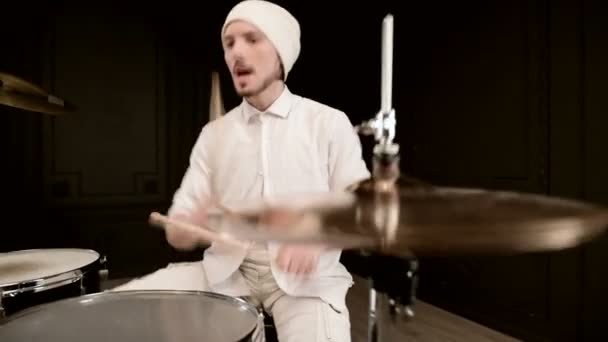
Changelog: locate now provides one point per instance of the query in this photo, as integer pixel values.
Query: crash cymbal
(295, 219)
(16, 84)
(401, 219)
(19, 93)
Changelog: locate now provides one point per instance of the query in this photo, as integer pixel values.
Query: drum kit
(390, 219)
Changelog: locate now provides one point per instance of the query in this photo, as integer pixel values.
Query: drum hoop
(100, 295)
(50, 281)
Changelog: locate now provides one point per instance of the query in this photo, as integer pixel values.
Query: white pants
(297, 319)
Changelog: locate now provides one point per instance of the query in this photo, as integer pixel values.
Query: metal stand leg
(383, 313)
(392, 286)
(372, 320)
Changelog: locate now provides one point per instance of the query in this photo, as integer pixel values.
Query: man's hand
(186, 239)
(299, 259)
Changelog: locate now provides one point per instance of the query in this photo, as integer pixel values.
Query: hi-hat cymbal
(400, 220)
(19, 93)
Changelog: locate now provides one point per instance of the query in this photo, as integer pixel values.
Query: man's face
(251, 58)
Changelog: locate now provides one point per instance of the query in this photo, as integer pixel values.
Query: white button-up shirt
(296, 146)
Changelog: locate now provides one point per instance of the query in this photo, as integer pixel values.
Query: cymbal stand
(383, 125)
(392, 290)
(386, 289)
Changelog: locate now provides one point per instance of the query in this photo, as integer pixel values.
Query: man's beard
(267, 82)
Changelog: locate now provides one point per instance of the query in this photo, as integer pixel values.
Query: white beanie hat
(279, 26)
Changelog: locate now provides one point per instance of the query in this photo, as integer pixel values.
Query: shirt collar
(280, 107)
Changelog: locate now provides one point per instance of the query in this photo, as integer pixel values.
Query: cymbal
(19, 93)
(404, 219)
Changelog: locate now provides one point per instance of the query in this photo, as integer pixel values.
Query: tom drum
(39, 276)
(150, 315)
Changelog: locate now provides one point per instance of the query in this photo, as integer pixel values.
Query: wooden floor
(429, 323)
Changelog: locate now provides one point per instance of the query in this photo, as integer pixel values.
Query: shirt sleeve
(346, 163)
(194, 191)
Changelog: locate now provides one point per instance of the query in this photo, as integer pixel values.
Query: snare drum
(38, 276)
(126, 316)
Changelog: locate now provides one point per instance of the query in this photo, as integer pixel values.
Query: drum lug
(80, 276)
(103, 271)
(2, 312)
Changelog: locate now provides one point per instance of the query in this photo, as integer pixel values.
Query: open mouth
(243, 71)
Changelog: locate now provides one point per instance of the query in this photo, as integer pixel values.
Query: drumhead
(19, 267)
(153, 316)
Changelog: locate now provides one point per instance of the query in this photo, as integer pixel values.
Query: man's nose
(239, 48)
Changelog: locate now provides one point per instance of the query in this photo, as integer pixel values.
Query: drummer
(274, 142)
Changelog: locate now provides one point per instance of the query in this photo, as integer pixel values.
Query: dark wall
(513, 103)
(502, 95)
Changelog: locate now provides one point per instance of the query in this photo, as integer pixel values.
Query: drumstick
(162, 221)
